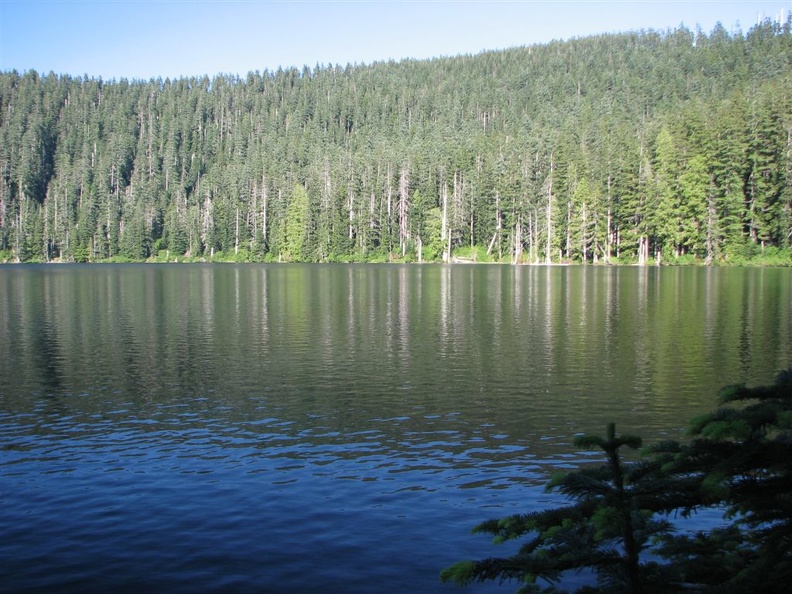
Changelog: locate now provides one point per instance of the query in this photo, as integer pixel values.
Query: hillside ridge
(644, 146)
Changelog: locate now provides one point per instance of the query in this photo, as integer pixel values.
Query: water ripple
(269, 429)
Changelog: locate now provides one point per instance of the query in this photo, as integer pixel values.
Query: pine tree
(742, 459)
(739, 461)
(295, 241)
(500, 142)
(607, 527)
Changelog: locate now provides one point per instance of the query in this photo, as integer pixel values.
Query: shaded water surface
(334, 428)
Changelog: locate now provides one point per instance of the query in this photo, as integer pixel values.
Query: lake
(302, 428)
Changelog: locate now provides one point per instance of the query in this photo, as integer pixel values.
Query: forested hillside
(643, 146)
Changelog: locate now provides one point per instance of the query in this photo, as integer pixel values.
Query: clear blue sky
(142, 39)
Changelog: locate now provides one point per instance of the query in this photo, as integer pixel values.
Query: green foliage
(706, 558)
(296, 233)
(668, 144)
(476, 253)
(607, 526)
(739, 461)
(771, 256)
(80, 254)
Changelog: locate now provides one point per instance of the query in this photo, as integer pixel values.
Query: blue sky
(142, 39)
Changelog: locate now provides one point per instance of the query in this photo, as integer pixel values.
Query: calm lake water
(303, 428)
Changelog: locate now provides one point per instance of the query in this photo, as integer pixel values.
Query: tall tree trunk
(518, 239)
(496, 235)
(351, 217)
(264, 208)
(584, 239)
(389, 198)
(548, 257)
(404, 187)
(444, 222)
(236, 232)
(609, 229)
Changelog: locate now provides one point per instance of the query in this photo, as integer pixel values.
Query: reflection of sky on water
(221, 425)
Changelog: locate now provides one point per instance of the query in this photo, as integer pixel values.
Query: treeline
(646, 146)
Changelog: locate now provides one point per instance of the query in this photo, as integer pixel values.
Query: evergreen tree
(741, 460)
(295, 246)
(586, 150)
(607, 527)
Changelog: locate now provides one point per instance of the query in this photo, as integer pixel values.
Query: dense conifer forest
(649, 146)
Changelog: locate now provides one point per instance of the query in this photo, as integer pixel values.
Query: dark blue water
(334, 428)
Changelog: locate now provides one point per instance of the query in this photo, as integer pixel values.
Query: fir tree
(741, 459)
(607, 527)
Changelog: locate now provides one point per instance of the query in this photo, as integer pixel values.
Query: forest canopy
(648, 146)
